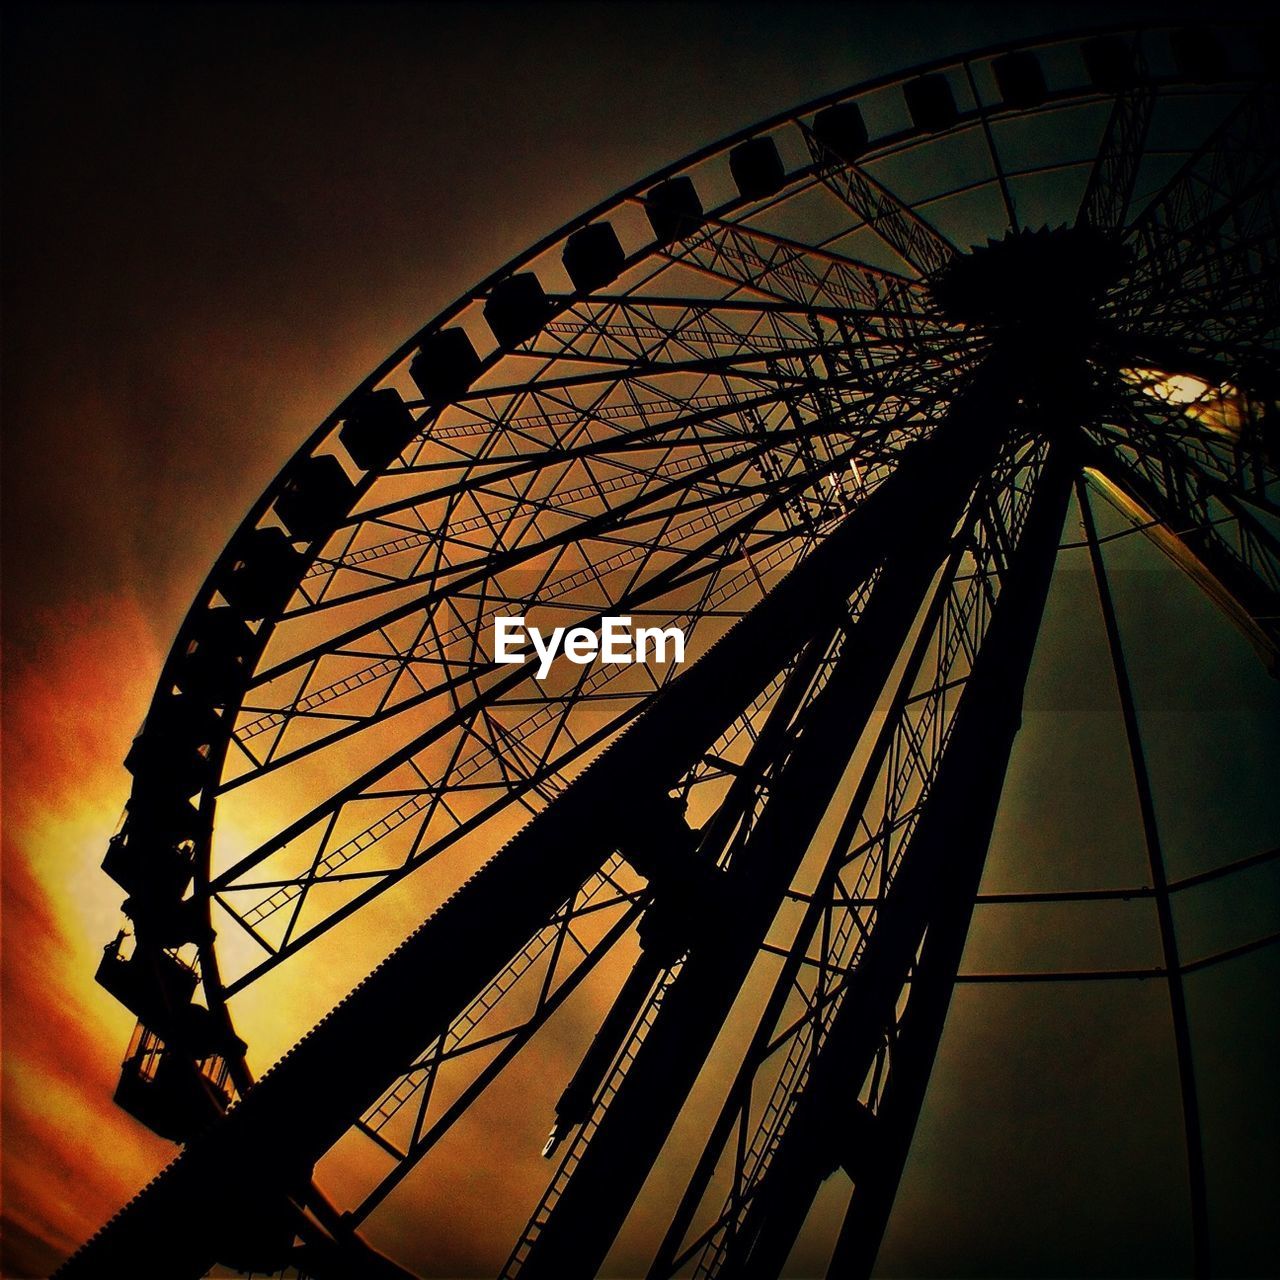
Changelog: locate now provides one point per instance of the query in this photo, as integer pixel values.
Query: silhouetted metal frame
(1128, 121)
(214, 989)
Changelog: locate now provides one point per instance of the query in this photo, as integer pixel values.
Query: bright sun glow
(1224, 408)
(1181, 388)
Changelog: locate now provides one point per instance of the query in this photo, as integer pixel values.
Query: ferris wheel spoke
(335, 861)
(797, 273)
(760, 368)
(610, 365)
(1201, 526)
(624, 476)
(617, 400)
(700, 564)
(1215, 256)
(747, 488)
(627, 482)
(1203, 244)
(998, 167)
(1220, 327)
(838, 420)
(1231, 465)
(1210, 442)
(338, 859)
(913, 238)
(1212, 271)
(732, 338)
(775, 378)
(1236, 160)
(720, 472)
(1219, 323)
(332, 865)
(735, 417)
(1210, 426)
(1114, 175)
(654, 330)
(484, 417)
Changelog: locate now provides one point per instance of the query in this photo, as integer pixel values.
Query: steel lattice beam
(305, 1103)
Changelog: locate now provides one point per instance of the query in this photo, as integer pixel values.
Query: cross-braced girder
(765, 418)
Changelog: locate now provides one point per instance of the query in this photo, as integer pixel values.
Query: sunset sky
(217, 220)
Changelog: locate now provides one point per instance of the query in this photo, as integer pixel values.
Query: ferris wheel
(822, 397)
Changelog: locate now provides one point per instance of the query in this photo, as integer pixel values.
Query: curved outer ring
(209, 973)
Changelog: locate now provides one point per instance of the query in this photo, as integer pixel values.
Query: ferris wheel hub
(1032, 282)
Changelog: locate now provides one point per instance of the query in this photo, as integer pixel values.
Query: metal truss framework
(773, 426)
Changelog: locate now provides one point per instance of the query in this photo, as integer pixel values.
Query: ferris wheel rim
(212, 982)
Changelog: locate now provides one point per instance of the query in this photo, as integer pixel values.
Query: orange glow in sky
(66, 719)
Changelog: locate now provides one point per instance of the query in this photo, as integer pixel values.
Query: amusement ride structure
(822, 395)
